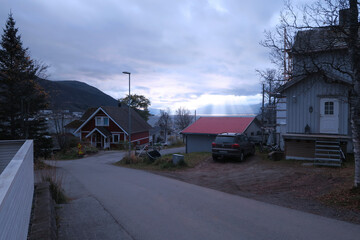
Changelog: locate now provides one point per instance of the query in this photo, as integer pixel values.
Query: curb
(43, 219)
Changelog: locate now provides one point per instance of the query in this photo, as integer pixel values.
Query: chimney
(344, 17)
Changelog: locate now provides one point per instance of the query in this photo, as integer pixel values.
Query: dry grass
(55, 179)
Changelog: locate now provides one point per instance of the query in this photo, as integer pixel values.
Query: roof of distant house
(216, 125)
(74, 124)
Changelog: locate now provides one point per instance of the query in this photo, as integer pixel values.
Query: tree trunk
(355, 125)
(355, 93)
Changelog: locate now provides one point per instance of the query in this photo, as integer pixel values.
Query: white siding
(16, 194)
(308, 93)
(199, 143)
(253, 128)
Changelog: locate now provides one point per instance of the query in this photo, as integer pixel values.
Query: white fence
(16, 193)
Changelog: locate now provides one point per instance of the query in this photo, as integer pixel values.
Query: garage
(202, 133)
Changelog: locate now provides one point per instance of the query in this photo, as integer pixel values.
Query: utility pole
(129, 103)
(262, 115)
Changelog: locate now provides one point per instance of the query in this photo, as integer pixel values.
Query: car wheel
(242, 156)
(253, 151)
(214, 158)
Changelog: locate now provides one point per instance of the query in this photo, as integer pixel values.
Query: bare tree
(310, 31)
(270, 80)
(182, 118)
(165, 122)
(58, 118)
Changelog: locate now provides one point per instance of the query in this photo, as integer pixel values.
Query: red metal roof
(216, 125)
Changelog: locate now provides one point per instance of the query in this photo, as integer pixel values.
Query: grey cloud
(94, 40)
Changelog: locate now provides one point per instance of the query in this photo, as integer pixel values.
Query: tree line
(166, 121)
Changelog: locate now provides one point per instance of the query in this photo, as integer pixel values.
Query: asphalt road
(149, 206)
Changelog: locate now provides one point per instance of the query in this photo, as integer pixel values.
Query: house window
(101, 121)
(329, 108)
(106, 121)
(116, 138)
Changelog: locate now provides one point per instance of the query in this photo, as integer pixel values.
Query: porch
(323, 149)
(100, 137)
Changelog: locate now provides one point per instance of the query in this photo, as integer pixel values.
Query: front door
(329, 115)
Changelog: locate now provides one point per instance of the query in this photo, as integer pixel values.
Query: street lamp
(129, 101)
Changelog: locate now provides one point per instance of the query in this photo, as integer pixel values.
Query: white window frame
(101, 124)
(329, 108)
(116, 134)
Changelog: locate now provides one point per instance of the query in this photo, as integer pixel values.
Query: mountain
(74, 95)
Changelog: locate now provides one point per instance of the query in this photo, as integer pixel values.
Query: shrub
(88, 149)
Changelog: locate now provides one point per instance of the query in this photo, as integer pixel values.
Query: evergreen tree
(21, 97)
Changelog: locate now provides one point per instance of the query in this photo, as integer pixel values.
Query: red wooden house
(106, 127)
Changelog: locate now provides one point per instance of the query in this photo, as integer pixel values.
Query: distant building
(106, 127)
(77, 114)
(46, 112)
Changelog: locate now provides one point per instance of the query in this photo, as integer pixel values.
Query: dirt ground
(291, 184)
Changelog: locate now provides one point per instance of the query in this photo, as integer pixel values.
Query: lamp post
(129, 115)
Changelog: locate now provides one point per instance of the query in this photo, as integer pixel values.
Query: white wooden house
(313, 115)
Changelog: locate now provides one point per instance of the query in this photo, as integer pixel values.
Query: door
(245, 144)
(329, 115)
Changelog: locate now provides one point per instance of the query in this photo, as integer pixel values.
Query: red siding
(90, 125)
(83, 135)
(113, 127)
(143, 136)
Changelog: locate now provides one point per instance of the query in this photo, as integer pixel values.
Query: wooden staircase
(328, 153)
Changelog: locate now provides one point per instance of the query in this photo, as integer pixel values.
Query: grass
(40, 165)
(348, 198)
(55, 180)
(164, 162)
(176, 145)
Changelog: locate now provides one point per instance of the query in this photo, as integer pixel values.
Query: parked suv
(233, 145)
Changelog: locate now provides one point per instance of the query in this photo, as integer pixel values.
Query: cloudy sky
(199, 54)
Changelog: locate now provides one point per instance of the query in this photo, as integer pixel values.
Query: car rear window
(224, 139)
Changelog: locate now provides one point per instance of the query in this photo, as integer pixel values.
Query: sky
(197, 54)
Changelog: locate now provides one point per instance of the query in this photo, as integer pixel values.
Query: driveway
(139, 205)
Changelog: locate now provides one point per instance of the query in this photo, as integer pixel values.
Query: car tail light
(213, 144)
(235, 145)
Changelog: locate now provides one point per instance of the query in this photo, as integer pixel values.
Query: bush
(88, 149)
(164, 162)
(72, 141)
(159, 139)
(71, 153)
